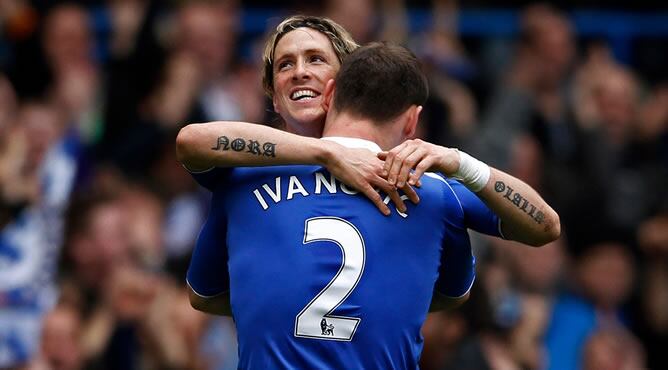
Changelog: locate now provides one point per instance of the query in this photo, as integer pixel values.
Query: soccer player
(297, 67)
(319, 278)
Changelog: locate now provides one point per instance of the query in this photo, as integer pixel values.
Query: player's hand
(361, 170)
(417, 156)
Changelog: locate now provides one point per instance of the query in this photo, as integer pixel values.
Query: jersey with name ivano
(319, 278)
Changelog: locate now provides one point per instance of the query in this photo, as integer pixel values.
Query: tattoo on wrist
(251, 146)
(519, 201)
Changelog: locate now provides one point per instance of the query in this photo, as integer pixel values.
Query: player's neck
(346, 125)
(309, 130)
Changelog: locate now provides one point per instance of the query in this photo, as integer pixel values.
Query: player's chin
(309, 116)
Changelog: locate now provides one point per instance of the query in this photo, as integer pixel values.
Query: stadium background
(98, 219)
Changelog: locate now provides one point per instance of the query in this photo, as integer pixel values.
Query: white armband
(473, 173)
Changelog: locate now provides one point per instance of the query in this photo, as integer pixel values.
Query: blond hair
(341, 40)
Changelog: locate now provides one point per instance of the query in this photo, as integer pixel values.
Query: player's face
(304, 60)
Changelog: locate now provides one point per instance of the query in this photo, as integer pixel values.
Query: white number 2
(314, 320)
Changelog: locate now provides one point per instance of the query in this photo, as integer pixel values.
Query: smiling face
(304, 61)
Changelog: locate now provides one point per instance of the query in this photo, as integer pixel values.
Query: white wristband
(473, 173)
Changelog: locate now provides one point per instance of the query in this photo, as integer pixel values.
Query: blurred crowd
(97, 218)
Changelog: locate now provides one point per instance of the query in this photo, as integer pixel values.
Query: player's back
(320, 278)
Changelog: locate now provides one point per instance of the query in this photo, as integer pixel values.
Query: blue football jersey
(318, 278)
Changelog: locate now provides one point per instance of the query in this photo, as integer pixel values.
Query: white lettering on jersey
(259, 198)
(275, 195)
(403, 197)
(316, 319)
(320, 181)
(348, 190)
(295, 187)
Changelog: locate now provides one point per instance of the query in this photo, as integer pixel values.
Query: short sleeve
(456, 273)
(457, 270)
(211, 178)
(208, 273)
(477, 216)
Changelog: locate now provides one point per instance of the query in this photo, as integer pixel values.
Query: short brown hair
(379, 81)
(341, 40)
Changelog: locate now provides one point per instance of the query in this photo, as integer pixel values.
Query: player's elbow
(186, 142)
(555, 228)
(551, 230)
(188, 146)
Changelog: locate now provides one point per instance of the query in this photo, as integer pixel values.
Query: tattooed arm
(202, 146)
(525, 216)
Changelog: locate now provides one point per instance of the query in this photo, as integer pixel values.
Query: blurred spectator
(442, 332)
(612, 349)
(67, 39)
(136, 59)
(507, 326)
(8, 102)
(121, 76)
(650, 314)
(358, 17)
(533, 90)
(60, 347)
(38, 165)
(626, 181)
(207, 38)
(449, 69)
(603, 276)
(534, 270)
(76, 77)
(133, 314)
(185, 208)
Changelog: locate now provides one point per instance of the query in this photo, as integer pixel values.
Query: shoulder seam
(435, 176)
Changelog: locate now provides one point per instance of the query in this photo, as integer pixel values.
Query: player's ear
(413, 116)
(328, 95)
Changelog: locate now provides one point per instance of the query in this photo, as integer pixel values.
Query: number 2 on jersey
(314, 320)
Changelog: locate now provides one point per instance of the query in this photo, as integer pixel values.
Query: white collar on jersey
(353, 142)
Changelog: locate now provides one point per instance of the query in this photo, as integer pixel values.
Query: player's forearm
(525, 216)
(231, 144)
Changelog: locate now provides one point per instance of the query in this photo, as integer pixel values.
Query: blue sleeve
(212, 177)
(456, 273)
(208, 273)
(477, 216)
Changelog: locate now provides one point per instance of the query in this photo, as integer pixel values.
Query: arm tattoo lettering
(238, 144)
(253, 147)
(509, 191)
(269, 149)
(224, 143)
(519, 201)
